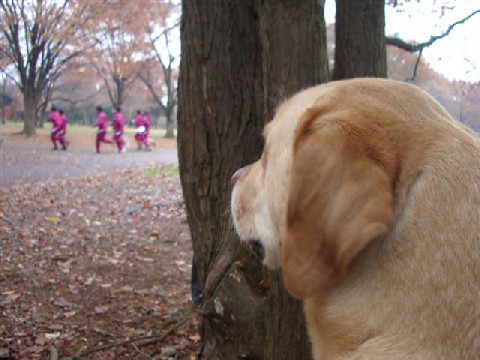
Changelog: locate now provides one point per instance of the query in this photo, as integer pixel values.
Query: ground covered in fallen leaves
(97, 267)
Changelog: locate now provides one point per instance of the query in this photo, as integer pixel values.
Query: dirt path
(95, 255)
(31, 163)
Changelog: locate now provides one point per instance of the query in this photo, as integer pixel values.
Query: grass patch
(162, 170)
(13, 122)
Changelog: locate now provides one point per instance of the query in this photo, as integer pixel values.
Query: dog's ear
(340, 198)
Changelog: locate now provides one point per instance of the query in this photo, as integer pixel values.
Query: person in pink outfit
(62, 129)
(54, 118)
(140, 129)
(102, 124)
(146, 123)
(118, 128)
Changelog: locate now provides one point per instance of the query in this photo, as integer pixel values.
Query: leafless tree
(169, 73)
(115, 47)
(39, 37)
(162, 55)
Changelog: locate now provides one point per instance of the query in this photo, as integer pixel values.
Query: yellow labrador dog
(367, 195)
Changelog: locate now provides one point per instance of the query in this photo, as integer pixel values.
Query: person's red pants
(119, 140)
(53, 137)
(60, 136)
(101, 138)
(142, 138)
(145, 140)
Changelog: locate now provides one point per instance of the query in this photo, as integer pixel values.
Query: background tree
(39, 37)
(161, 25)
(6, 100)
(239, 60)
(116, 45)
(360, 49)
(76, 93)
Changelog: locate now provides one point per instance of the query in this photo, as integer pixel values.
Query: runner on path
(140, 129)
(54, 118)
(146, 124)
(102, 124)
(62, 129)
(118, 129)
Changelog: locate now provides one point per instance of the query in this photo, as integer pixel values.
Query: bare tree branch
(15, 81)
(417, 47)
(165, 61)
(76, 101)
(150, 87)
(416, 66)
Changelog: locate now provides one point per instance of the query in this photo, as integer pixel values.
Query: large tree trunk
(226, 58)
(360, 49)
(219, 130)
(294, 57)
(30, 112)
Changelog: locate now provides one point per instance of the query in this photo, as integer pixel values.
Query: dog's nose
(236, 176)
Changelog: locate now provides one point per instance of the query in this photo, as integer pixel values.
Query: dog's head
(322, 190)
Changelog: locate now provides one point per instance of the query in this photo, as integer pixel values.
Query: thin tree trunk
(2, 101)
(360, 49)
(170, 126)
(41, 115)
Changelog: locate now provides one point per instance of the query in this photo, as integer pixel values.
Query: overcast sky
(456, 56)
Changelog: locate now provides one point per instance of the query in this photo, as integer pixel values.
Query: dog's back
(413, 293)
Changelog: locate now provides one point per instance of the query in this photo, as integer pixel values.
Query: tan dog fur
(367, 196)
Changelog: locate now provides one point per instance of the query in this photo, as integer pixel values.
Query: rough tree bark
(240, 59)
(360, 49)
(219, 130)
(30, 110)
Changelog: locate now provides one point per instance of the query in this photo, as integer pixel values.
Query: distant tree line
(100, 51)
